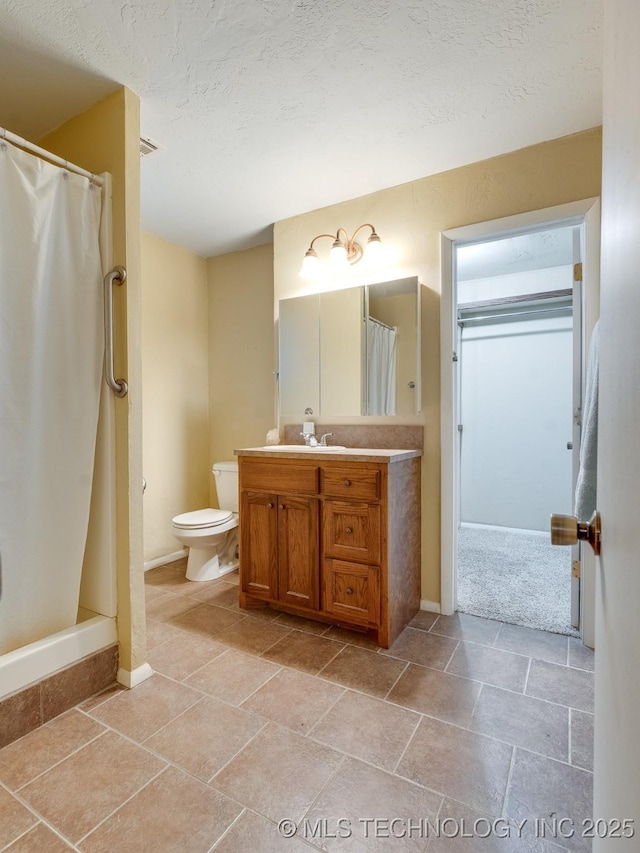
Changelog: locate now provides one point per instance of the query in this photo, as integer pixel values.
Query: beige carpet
(517, 577)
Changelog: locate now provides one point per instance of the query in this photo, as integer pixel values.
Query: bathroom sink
(303, 448)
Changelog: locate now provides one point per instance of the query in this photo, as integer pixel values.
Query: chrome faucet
(310, 439)
(323, 439)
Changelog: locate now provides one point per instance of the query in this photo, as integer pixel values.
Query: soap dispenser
(309, 433)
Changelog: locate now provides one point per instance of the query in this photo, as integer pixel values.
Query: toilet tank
(226, 474)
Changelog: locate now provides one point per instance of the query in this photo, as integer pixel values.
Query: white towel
(585, 498)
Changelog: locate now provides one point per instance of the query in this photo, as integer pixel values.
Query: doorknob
(567, 530)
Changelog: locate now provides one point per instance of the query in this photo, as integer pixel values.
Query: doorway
(580, 310)
(518, 388)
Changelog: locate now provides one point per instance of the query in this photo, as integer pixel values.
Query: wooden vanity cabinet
(337, 541)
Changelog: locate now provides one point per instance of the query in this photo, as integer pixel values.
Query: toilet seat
(202, 518)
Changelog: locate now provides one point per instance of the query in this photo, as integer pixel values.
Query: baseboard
(137, 676)
(169, 558)
(429, 606)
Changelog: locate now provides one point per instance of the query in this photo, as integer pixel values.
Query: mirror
(351, 352)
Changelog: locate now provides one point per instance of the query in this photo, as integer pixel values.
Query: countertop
(349, 454)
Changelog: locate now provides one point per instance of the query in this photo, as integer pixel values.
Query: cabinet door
(259, 545)
(351, 531)
(352, 592)
(298, 551)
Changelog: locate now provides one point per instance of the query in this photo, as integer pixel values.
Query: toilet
(211, 535)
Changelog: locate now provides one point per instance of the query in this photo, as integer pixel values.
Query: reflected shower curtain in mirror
(381, 368)
(51, 348)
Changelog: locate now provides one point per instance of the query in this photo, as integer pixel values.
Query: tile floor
(461, 729)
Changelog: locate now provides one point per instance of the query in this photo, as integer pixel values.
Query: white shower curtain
(51, 346)
(381, 369)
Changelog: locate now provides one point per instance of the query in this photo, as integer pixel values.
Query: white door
(617, 691)
(574, 444)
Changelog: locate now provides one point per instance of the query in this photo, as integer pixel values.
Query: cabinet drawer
(351, 483)
(352, 592)
(276, 477)
(351, 531)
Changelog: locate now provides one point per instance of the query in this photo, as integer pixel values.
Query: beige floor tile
(561, 684)
(491, 666)
(181, 656)
(205, 737)
(582, 739)
(464, 830)
(254, 834)
(363, 670)
(232, 577)
(427, 649)
(159, 633)
(264, 614)
(463, 626)
(15, 819)
(169, 578)
(253, 635)
(23, 760)
(353, 638)
(580, 656)
(152, 592)
(220, 593)
(300, 624)
(294, 700)
(438, 694)
(541, 787)
(140, 712)
(233, 676)
(358, 794)
(75, 795)
(523, 721)
(367, 728)
(174, 813)
(98, 698)
(303, 651)
(169, 606)
(279, 774)
(460, 764)
(40, 839)
(423, 620)
(533, 643)
(205, 620)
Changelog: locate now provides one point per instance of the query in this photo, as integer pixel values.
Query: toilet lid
(202, 518)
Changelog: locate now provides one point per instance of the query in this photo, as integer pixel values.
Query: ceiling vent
(147, 146)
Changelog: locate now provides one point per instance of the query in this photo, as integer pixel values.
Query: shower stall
(57, 441)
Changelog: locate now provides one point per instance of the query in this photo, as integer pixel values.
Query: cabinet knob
(280, 506)
(269, 506)
(347, 482)
(349, 591)
(348, 530)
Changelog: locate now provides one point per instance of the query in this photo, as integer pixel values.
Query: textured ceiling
(269, 108)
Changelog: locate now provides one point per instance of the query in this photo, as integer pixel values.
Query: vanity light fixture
(344, 250)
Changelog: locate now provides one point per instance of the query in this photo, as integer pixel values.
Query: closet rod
(485, 317)
(14, 139)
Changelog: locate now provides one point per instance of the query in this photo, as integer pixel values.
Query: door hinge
(459, 427)
(575, 569)
(577, 272)
(455, 356)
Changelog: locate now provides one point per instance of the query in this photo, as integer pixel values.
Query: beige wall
(409, 219)
(241, 344)
(175, 398)
(106, 138)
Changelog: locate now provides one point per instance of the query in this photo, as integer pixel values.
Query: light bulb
(375, 249)
(310, 266)
(338, 255)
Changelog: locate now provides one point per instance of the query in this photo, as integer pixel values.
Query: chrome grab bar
(118, 275)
